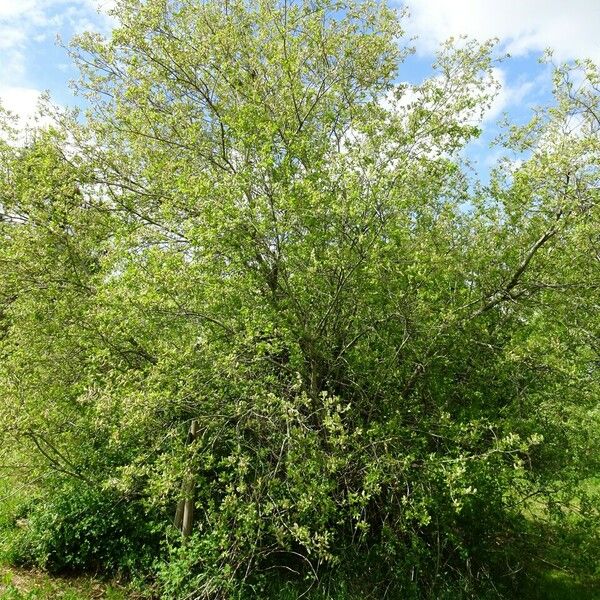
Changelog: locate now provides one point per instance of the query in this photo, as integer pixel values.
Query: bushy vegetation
(263, 335)
(83, 528)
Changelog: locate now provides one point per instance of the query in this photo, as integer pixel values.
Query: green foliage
(256, 231)
(80, 528)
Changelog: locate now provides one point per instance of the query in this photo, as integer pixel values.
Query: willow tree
(381, 359)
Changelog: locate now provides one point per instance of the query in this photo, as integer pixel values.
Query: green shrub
(261, 237)
(78, 527)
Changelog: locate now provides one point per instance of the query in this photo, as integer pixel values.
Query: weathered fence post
(184, 514)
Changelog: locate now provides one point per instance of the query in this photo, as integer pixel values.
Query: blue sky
(31, 62)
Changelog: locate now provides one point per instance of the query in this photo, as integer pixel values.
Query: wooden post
(178, 521)
(188, 510)
(184, 514)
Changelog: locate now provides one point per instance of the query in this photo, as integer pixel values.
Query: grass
(21, 584)
(564, 564)
(555, 584)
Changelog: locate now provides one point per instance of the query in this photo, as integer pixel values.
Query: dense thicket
(258, 235)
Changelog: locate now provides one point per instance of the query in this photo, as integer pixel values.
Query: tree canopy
(258, 276)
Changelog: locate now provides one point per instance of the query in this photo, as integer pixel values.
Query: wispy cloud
(508, 94)
(569, 28)
(27, 23)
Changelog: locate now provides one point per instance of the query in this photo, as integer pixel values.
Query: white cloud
(508, 95)
(27, 22)
(569, 28)
(103, 5)
(24, 21)
(21, 101)
(24, 103)
(13, 64)
(10, 9)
